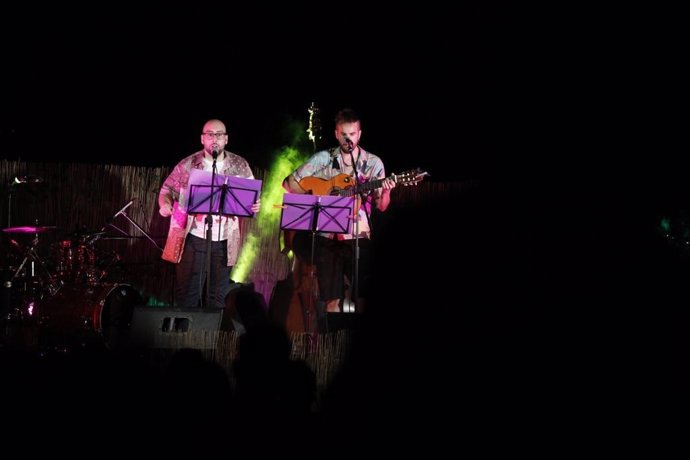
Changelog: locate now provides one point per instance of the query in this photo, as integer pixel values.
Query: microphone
(27, 180)
(350, 147)
(215, 152)
(123, 209)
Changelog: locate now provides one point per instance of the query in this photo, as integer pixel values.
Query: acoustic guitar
(346, 185)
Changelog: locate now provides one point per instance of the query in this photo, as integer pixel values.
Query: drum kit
(59, 294)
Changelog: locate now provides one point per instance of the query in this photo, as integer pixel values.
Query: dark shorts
(334, 261)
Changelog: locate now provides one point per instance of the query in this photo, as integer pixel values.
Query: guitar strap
(334, 158)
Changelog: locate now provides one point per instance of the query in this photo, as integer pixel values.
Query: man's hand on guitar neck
(388, 184)
(383, 197)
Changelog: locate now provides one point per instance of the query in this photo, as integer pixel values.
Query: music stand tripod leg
(319, 307)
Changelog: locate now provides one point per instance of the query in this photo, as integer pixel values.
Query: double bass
(301, 287)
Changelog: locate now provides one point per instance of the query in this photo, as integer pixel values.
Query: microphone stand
(355, 276)
(124, 213)
(209, 232)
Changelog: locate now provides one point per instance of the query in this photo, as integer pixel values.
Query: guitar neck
(361, 188)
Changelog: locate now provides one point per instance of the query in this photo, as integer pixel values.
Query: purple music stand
(317, 213)
(232, 196)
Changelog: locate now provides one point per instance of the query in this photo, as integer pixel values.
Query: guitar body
(332, 186)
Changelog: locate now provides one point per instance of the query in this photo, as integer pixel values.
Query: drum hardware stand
(114, 258)
(53, 285)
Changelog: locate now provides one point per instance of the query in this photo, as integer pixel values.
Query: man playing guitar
(346, 169)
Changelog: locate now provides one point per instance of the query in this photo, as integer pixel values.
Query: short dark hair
(346, 116)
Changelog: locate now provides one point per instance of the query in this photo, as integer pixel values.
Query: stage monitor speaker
(156, 327)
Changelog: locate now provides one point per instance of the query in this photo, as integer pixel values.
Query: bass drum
(80, 313)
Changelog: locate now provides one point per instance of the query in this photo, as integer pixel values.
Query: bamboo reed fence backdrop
(78, 200)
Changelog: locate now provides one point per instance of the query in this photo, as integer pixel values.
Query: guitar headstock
(411, 177)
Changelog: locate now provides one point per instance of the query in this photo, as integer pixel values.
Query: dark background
(569, 114)
(472, 91)
(559, 111)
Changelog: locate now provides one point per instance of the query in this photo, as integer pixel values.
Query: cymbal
(29, 229)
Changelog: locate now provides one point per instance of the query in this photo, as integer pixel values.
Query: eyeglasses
(212, 135)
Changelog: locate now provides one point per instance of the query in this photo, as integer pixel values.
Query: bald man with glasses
(186, 244)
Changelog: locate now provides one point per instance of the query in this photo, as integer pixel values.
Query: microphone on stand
(215, 152)
(123, 209)
(109, 220)
(350, 145)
